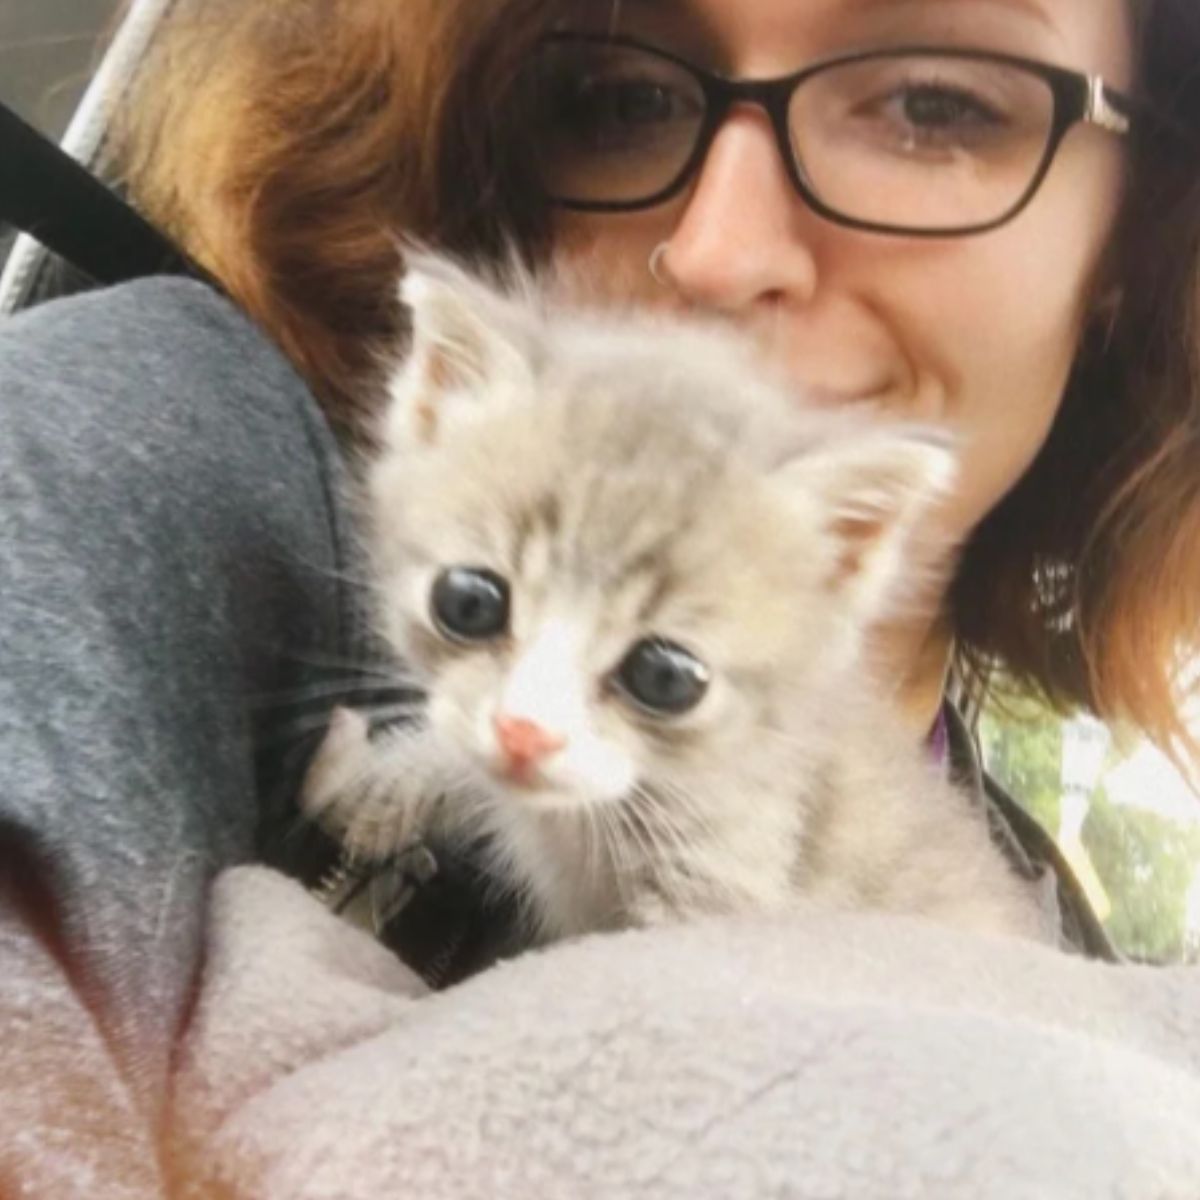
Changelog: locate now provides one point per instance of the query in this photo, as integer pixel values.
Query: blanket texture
(840, 1057)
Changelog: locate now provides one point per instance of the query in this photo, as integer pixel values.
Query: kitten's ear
(468, 349)
(869, 490)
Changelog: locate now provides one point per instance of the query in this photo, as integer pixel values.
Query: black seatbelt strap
(50, 196)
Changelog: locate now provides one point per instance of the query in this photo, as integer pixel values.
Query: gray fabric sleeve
(172, 562)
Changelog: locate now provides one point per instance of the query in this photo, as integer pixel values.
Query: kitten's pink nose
(524, 743)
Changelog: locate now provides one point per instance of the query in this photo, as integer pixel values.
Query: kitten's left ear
(469, 348)
(869, 489)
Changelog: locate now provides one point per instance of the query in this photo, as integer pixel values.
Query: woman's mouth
(817, 396)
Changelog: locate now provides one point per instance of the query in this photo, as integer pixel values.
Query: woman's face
(974, 333)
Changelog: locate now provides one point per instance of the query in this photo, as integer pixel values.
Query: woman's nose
(745, 237)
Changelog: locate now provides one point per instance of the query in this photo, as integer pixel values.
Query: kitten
(634, 578)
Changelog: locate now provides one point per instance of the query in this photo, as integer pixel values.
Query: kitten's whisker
(591, 839)
(626, 836)
(643, 812)
(322, 691)
(716, 862)
(676, 843)
(345, 693)
(681, 819)
(324, 571)
(785, 737)
(653, 830)
(705, 812)
(609, 849)
(629, 841)
(382, 668)
(665, 863)
(363, 582)
(673, 803)
(624, 873)
(302, 727)
(384, 712)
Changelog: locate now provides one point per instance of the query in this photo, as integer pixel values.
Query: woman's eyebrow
(675, 17)
(1035, 9)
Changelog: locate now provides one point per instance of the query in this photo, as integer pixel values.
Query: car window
(48, 49)
(1124, 817)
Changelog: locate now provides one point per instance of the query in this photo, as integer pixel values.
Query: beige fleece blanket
(832, 1058)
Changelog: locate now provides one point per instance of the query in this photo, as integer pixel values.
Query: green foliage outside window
(1149, 866)
(1142, 852)
(1026, 756)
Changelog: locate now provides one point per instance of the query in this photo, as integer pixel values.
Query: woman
(972, 239)
(1059, 340)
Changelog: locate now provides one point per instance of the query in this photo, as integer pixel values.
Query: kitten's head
(617, 550)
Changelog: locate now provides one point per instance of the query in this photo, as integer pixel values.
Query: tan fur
(630, 477)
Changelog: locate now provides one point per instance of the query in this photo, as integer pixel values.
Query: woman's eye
(936, 108)
(662, 678)
(936, 116)
(470, 604)
(611, 110)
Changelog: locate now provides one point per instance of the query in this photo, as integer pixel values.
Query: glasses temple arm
(1106, 107)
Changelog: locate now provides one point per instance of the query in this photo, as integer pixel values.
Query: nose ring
(656, 265)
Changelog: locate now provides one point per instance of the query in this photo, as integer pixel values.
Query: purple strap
(939, 739)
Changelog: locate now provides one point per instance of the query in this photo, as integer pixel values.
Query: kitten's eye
(469, 604)
(662, 678)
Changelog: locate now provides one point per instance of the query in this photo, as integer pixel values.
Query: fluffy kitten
(633, 578)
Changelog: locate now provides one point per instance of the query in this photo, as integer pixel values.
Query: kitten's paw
(355, 790)
(348, 730)
(341, 760)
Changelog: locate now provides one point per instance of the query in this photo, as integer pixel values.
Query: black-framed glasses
(919, 140)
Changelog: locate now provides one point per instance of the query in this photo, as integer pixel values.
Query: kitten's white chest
(565, 869)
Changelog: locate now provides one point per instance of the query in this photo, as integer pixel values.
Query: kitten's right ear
(870, 486)
(468, 350)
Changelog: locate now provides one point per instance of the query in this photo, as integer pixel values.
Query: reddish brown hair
(288, 143)
(1084, 583)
